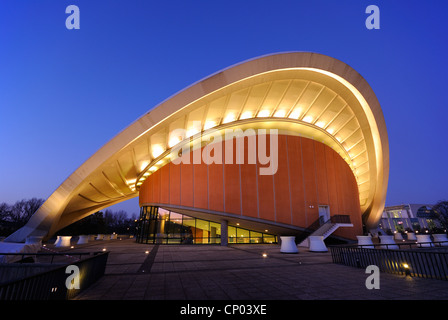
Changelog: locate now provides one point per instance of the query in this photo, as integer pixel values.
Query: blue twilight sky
(65, 93)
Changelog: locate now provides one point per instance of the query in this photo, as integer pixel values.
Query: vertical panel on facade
(249, 172)
(200, 186)
(165, 184)
(351, 203)
(296, 181)
(356, 217)
(309, 178)
(156, 186)
(321, 174)
(143, 193)
(331, 180)
(232, 191)
(149, 193)
(347, 187)
(340, 185)
(186, 183)
(174, 184)
(266, 200)
(352, 195)
(281, 183)
(215, 187)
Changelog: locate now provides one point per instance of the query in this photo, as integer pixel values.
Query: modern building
(264, 148)
(409, 217)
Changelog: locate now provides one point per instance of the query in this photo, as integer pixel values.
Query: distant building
(407, 217)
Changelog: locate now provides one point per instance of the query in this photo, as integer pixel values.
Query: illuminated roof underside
(307, 94)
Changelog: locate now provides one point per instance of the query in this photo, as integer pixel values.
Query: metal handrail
(339, 218)
(409, 244)
(51, 284)
(418, 261)
(52, 254)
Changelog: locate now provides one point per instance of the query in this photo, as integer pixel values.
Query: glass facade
(160, 226)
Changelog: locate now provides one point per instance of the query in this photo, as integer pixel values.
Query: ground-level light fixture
(407, 270)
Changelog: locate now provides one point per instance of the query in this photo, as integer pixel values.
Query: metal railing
(45, 257)
(339, 218)
(416, 260)
(51, 285)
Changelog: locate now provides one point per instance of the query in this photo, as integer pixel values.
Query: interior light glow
(308, 118)
(263, 113)
(280, 113)
(157, 150)
(246, 115)
(192, 132)
(173, 140)
(144, 165)
(295, 114)
(209, 124)
(320, 124)
(229, 118)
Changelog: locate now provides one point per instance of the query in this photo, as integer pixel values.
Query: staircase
(326, 228)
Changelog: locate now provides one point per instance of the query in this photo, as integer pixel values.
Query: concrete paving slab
(240, 272)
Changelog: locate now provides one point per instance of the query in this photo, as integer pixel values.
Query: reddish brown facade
(309, 174)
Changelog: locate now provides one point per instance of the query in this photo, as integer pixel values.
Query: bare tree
(5, 210)
(22, 210)
(441, 209)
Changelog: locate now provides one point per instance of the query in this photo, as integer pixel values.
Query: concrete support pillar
(224, 232)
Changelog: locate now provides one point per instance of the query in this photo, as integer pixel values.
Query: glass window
(189, 229)
(157, 225)
(175, 217)
(202, 231)
(164, 214)
(268, 238)
(174, 228)
(242, 235)
(215, 232)
(231, 234)
(256, 237)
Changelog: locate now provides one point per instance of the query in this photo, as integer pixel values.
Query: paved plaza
(239, 272)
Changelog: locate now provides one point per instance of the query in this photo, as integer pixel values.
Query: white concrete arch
(309, 90)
